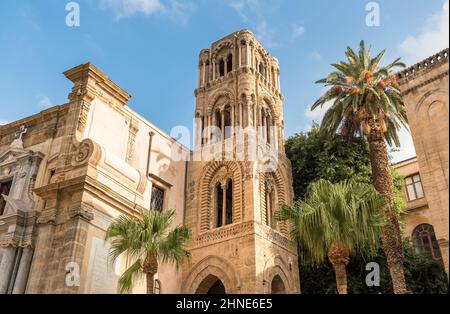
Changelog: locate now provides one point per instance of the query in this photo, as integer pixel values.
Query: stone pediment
(13, 154)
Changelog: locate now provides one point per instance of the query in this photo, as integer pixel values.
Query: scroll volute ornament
(87, 151)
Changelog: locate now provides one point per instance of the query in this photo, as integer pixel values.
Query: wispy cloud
(45, 102)
(297, 30)
(433, 37)
(254, 13)
(406, 149)
(318, 113)
(30, 17)
(176, 10)
(315, 55)
(3, 121)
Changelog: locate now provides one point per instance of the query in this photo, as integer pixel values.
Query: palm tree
(336, 220)
(146, 241)
(366, 101)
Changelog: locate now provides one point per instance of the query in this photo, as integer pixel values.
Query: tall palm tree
(366, 101)
(336, 221)
(145, 241)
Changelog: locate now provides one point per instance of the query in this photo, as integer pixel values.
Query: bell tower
(239, 174)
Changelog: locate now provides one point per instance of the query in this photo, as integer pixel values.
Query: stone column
(222, 125)
(24, 269)
(224, 204)
(6, 267)
(214, 69)
(248, 58)
(240, 115)
(240, 55)
(204, 74)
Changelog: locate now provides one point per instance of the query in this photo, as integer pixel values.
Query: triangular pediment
(13, 154)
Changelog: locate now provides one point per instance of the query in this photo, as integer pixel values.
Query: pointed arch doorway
(277, 286)
(211, 285)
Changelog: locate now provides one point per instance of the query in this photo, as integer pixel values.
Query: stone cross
(20, 132)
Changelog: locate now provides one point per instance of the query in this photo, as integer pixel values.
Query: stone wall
(425, 91)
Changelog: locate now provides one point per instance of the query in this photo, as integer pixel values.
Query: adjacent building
(425, 92)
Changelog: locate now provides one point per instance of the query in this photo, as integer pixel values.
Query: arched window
(270, 205)
(424, 241)
(261, 69)
(224, 204)
(229, 63)
(221, 67)
(218, 124)
(227, 121)
(229, 203)
(157, 287)
(219, 205)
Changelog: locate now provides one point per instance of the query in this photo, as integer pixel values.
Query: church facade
(67, 172)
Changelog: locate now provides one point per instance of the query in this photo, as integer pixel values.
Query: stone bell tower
(239, 174)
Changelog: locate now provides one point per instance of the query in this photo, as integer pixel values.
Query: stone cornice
(426, 64)
(82, 74)
(431, 80)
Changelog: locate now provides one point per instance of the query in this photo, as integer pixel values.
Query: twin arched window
(226, 65)
(224, 204)
(424, 241)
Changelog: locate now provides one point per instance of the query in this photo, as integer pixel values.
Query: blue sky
(150, 48)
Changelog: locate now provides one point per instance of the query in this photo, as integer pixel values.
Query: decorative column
(214, 69)
(224, 203)
(240, 115)
(23, 271)
(247, 50)
(6, 267)
(204, 74)
(240, 55)
(222, 125)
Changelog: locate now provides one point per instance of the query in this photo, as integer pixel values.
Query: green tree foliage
(423, 275)
(315, 156)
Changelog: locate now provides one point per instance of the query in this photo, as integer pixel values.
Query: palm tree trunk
(150, 268)
(339, 258)
(341, 277)
(150, 283)
(382, 180)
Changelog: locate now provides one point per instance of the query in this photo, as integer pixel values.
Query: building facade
(418, 223)
(425, 92)
(67, 172)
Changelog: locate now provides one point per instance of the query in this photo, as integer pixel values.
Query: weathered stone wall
(425, 90)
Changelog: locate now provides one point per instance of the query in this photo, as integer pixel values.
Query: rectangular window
(414, 187)
(5, 188)
(157, 200)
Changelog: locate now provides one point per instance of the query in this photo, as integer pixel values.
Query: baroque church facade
(67, 172)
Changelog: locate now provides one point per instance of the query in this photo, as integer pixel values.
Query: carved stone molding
(83, 211)
(224, 233)
(133, 130)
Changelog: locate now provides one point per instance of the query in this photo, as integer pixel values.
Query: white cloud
(433, 38)
(406, 149)
(297, 30)
(4, 121)
(175, 9)
(318, 113)
(45, 102)
(316, 56)
(253, 12)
